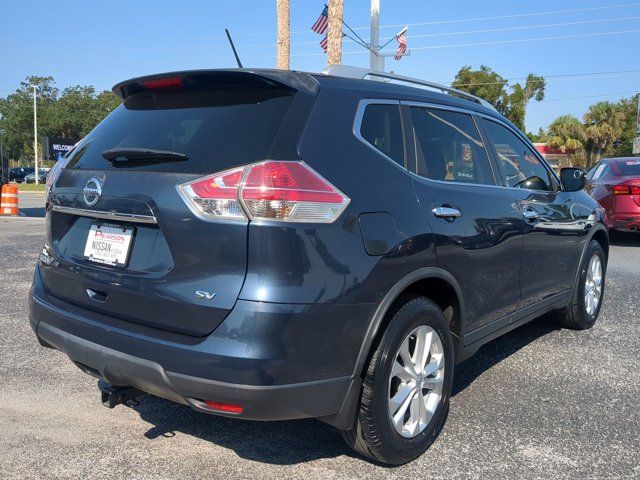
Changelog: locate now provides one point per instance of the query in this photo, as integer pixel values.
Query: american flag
(324, 42)
(402, 44)
(322, 23)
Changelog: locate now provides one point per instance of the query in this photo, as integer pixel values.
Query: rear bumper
(243, 362)
(281, 402)
(624, 222)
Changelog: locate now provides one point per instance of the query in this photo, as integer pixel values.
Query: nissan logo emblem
(92, 191)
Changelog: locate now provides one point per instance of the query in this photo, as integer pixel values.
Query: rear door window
(519, 166)
(215, 129)
(449, 147)
(382, 129)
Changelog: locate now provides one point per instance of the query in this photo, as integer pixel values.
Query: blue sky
(101, 43)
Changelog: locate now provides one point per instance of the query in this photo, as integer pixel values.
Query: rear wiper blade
(142, 155)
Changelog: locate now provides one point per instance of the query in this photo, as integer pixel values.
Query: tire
(374, 434)
(578, 315)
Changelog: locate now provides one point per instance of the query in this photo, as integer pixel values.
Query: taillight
(290, 191)
(271, 190)
(626, 189)
(215, 196)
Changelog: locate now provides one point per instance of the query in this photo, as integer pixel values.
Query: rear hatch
(172, 270)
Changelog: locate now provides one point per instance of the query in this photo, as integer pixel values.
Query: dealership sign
(54, 148)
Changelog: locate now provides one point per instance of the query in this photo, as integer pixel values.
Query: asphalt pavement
(540, 402)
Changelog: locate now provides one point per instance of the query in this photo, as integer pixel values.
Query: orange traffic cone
(9, 200)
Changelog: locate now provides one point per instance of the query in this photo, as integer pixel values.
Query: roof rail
(363, 74)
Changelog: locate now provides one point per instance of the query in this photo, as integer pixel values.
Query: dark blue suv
(276, 245)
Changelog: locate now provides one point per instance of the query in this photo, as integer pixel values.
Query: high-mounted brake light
(271, 190)
(163, 83)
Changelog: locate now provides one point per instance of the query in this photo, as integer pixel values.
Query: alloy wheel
(593, 285)
(416, 381)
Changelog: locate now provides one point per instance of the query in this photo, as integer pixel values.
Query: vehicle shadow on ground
(625, 239)
(34, 212)
(494, 352)
(299, 441)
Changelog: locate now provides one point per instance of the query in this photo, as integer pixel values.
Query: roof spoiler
(285, 78)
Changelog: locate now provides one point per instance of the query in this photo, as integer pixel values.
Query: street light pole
(375, 34)
(35, 132)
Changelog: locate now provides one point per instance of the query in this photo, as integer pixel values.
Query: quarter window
(449, 147)
(381, 128)
(599, 171)
(519, 166)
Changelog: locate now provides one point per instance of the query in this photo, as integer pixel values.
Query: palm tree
(603, 125)
(566, 133)
(283, 45)
(334, 47)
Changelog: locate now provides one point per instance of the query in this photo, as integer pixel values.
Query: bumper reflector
(224, 407)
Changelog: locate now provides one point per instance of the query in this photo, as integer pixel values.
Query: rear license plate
(108, 244)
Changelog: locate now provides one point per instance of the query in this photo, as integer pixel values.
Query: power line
(468, 32)
(527, 27)
(589, 96)
(566, 76)
(520, 40)
(480, 19)
(417, 24)
(504, 17)
(498, 42)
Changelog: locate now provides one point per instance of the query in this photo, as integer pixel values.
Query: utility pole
(35, 132)
(334, 32)
(283, 44)
(375, 59)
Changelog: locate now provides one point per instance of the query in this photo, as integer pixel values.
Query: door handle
(530, 215)
(446, 212)
(97, 295)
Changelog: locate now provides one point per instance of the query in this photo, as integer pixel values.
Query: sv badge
(204, 295)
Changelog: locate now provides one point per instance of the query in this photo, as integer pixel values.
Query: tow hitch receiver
(112, 395)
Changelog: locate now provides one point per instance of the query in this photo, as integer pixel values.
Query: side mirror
(572, 179)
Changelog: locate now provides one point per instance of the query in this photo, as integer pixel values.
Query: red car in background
(615, 184)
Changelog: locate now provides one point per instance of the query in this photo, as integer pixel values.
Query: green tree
(565, 133)
(520, 96)
(16, 111)
(511, 101)
(623, 147)
(537, 137)
(483, 83)
(603, 125)
(72, 113)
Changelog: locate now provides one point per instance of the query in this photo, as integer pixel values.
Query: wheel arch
(434, 283)
(601, 236)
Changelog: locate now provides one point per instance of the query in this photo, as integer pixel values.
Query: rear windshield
(629, 167)
(216, 129)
